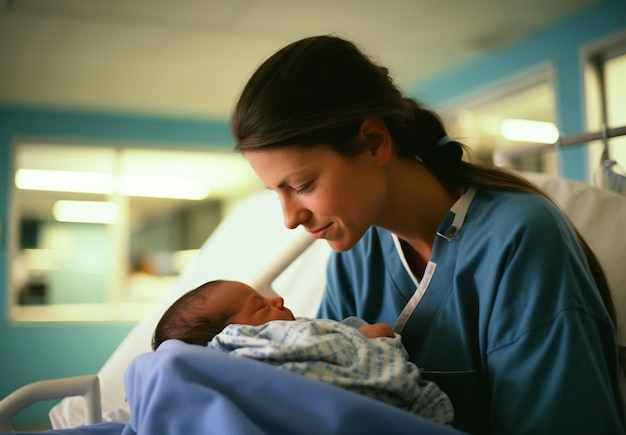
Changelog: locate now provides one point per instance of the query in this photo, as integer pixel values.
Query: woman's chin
(339, 245)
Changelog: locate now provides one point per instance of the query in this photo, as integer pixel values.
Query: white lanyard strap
(417, 296)
(460, 211)
(459, 208)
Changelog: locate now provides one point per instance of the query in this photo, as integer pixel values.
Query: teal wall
(32, 352)
(560, 46)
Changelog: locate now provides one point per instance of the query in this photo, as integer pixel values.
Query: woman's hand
(377, 330)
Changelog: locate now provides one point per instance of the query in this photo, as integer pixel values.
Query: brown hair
(318, 90)
(184, 320)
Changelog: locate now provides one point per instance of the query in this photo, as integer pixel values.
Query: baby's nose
(277, 301)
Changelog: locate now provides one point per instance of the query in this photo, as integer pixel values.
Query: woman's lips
(321, 232)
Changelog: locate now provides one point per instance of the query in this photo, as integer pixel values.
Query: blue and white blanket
(189, 389)
(193, 390)
(332, 352)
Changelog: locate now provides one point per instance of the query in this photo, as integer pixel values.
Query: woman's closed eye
(303, 189)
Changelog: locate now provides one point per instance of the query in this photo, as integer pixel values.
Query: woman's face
(333, 197)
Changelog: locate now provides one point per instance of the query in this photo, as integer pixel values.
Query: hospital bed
(245, 396)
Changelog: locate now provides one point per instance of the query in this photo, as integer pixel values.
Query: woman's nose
(294, 214)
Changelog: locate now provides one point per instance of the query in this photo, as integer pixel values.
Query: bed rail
(87, 386)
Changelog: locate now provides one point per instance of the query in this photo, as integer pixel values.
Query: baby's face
(244, 305)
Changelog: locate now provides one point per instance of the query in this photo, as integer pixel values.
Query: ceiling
(192, 57)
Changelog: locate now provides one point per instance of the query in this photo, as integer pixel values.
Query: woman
(496, 296)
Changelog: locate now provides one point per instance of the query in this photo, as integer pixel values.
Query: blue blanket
(188, 389)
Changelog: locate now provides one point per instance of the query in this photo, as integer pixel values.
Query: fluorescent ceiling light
(157, 186)
(529, 131)
(65, 181)
(95, 212)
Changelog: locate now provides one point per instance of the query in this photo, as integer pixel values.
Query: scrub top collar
(459, 210)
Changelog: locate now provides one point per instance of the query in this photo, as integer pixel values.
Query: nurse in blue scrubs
(496, 296)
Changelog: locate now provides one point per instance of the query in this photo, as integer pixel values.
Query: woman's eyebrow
(286, 180)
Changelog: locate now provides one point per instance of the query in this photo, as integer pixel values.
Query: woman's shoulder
(513, 200)
(515, 207)
(516, 216)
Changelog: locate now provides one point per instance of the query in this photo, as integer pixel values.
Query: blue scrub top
(511, 324)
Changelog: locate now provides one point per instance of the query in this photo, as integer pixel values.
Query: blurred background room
(116, 155)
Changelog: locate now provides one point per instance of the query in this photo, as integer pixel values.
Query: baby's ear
(373, 133)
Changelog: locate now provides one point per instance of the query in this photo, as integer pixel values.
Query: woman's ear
(373, 133)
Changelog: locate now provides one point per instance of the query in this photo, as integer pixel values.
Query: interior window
(101, 232)
(510, 125)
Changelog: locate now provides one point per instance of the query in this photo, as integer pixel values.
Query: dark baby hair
(184, 320)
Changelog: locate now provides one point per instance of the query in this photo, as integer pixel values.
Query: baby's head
(200, 314)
